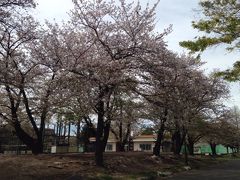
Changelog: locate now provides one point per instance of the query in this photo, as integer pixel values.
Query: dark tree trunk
(177, 142)
(213, 148)
(64, 132)
(78, 133)
(60, 130)
(35, 145)
(103, 127)
(36, 142)
(190, 146)
(56, 129)
(99, 134)
(158, 142)
(127, 137)
(190, 149)
(121, 143)
(37, 148)
(58, 133)
(99, 149)
(69, 132)
(121, 134)
(120, 146)
(106, 134)
(185, 151)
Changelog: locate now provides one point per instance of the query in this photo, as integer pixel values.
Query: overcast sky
(179, 13)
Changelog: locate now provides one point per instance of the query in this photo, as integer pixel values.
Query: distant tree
(125, 114)
(218, 130)
(232, 122)
(235, 116)
(147, 130)
(88, 131)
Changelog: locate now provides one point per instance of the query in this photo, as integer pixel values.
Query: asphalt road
(226, 171)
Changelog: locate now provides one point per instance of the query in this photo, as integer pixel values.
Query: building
(204, 148)
(144, 143)
(110, 147)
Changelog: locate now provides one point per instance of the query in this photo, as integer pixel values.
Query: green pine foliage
(221, 25)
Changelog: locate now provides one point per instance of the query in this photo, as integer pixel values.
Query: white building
(144, 143)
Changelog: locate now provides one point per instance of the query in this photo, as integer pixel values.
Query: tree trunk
(35, 145)
(78, 133)
(122, 140)
(185, 151)
(103, 127)
(64, 131)
(120, 147)
(60, 130)
(106, 131)
(121, 132)
(98, 145)
(127, 137)
(56, 132)
(190, 146)
(69, 132)
(177, 142)
(213, 148)
(158, 142)
(99, 134)
(190, 149)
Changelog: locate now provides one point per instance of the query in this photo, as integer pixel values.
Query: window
(197, 149)
(146, 147)
(109, 147)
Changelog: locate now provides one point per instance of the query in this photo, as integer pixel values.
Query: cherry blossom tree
(117, 37)
(28, 78)
(178, 92)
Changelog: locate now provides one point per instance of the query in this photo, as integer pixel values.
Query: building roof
(93, 139)
(145, 138)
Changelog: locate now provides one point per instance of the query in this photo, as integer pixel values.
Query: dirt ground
(130, 165)
(224, 171)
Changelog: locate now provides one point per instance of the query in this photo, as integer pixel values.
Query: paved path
(226, 171)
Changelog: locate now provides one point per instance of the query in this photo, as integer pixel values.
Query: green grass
(102, 177)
